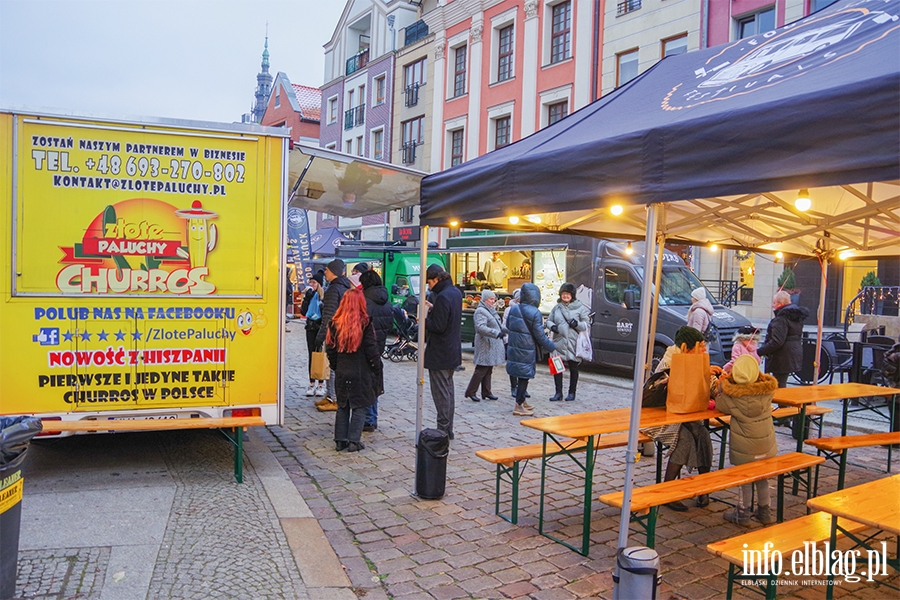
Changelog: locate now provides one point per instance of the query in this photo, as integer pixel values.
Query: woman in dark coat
(355, 359)
(311, 308)
(526, 333)
(379, 309)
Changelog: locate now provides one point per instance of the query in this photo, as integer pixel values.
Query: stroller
(407, 333)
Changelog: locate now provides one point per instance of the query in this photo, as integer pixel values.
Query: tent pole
(420, 361)
(820, 314)
(657, 278)
(639, 360)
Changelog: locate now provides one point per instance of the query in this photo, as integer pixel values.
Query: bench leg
(514, 511)
(651, 527)
(842, 469)
(514, 475)
(771, 587)
(780, 510)
(659, 458)
(729, 591)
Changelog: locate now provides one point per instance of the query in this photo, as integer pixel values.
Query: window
(362, 94)
(557, 111)
(406, 215)
(349, 146)
(359, 146)
(277, 97)
(413, 132)
(505, 54)
(501, 132)
(561, 36)
(414, 73)
(675, 45)
(378, 144)
(456, 147)
(626, 67)
(332, 110)
(760, 22)
(459, 71)
(815, 5)
(626, 6)
(379, 90)
(617, 281)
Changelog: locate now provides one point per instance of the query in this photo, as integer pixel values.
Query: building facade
(296, 107)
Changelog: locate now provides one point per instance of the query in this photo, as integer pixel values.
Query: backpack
(655, 390)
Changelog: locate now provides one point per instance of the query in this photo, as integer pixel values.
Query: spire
(263, 83)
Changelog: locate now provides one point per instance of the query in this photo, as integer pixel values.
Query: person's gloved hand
(503, 331)
(573, 323)
(554, 328)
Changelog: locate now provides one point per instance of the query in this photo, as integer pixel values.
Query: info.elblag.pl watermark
(813, 561)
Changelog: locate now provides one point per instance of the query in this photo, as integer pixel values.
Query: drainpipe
(595, 53)
(704, 26)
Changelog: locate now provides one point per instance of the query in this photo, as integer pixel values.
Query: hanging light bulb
(845, 254)
(779, 256)
(616, 210)
(713, 247)
(514, 219)
(802, 203)
(454, 223)
(536, 219)
(628, 249)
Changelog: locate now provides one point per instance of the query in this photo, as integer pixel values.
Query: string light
(803, 203)
(713, 247)
(536, 219)
(454, 223)
(616, 209)
(628, 249)
(514, 219)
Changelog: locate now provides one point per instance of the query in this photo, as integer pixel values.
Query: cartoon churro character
(202, 239)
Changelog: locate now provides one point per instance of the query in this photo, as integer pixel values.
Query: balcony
(627, 6)
(415, 32)
(355, 116)
(412, 94)
(409, 152)
(355, 63)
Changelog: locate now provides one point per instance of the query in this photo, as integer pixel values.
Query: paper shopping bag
(557, 365)
(318, 366)
(688, 383)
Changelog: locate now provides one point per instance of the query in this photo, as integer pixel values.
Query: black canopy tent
(712, 146)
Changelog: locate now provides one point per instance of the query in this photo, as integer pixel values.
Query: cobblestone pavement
(394, 545)
(59, 574)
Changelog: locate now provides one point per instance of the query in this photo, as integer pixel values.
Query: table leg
(829, 594)
(588, 491)
(780, 510)
(842, 469)
(796, 486)
(846, 404)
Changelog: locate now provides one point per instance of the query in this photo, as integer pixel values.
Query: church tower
(263, 86)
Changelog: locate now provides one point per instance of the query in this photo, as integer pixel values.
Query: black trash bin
(431, 463)
(15, 434)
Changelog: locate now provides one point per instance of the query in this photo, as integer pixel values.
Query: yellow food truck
(142, 268)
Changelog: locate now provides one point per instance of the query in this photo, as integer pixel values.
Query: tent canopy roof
(349, 186)
(725, 137)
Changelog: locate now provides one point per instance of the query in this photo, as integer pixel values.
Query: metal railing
(627, 6)
(409, 152)
(412, 94)
(873, 300)
(357, 62)
(726, 291)
(415, 32)
(355, 116)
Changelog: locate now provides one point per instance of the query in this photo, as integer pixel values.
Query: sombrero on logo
(196, 212)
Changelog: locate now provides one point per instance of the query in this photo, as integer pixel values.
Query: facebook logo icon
(49, 336)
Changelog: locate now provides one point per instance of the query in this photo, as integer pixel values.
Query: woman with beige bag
(311, 308)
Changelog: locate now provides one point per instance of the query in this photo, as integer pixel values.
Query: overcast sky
(184, 59)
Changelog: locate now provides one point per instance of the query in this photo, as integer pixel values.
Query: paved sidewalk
(396, 546)
(159, 515)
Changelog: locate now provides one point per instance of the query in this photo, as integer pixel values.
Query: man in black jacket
(443, 346)
(382, 317)
(337, 285)
(783, 347)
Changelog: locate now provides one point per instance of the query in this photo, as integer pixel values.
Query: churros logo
(142, 246)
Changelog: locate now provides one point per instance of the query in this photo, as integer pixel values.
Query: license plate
(143, 418)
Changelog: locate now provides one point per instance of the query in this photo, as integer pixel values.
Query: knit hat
(319, 278)
(433, 272)
(361, 267)
(336, 267)
(487, 295)
(745, 369)
(699, 293)
(517, 294)
(747, 330)
(688, 336)
(567, 287)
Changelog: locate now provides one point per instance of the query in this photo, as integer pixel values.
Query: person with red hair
(355, 359)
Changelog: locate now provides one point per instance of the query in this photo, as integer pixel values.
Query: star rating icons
(103, 336)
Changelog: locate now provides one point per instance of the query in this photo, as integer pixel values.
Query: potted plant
(871, 297)
(787, 281)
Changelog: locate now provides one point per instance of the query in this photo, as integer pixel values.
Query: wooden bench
(236, 424)
(508, 459)
(645, 501)
(784, 538)
(835, 449)
(813, 413)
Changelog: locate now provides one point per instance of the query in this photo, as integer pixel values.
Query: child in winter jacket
(746, 395)
(746, 340)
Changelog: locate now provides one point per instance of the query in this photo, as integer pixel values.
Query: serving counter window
(549, 275)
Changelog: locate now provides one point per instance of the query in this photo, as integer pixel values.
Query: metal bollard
(637, 574)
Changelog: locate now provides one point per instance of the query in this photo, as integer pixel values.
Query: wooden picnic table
(876, 504)
(588, 426)
(810, 394)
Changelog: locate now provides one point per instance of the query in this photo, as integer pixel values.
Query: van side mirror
(628, 297)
